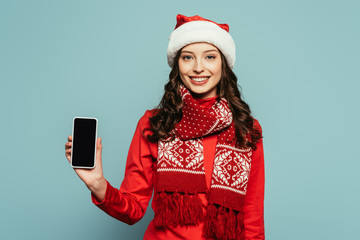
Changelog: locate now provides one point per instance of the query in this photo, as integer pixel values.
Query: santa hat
(197, 29)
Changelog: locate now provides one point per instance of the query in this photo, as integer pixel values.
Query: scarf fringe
(174, 209)
(223, 224)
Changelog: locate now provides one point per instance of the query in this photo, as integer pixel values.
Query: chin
(204, 94)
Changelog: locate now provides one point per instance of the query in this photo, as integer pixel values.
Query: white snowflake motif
(241, 177)
(168, 154)
(196, 157)
(232, 168)
(224, 116)
(219, 170)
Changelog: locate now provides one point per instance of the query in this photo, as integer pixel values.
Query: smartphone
(83, 150)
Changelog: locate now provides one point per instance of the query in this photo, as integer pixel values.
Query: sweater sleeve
(254, 200)
(128, 204)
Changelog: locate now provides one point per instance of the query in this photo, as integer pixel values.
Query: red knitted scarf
(180, 173)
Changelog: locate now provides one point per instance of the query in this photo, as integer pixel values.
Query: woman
(200, 151)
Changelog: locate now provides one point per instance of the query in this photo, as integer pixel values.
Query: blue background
(297, 64)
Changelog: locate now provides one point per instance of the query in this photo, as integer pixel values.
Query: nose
(198, 66)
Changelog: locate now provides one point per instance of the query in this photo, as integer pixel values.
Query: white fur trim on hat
(201, 31)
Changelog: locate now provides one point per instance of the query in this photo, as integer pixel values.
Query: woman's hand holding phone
(93, 178)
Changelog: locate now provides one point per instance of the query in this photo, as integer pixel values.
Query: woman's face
(200, 69)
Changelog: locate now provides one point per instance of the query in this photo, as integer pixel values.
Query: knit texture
(180, 173)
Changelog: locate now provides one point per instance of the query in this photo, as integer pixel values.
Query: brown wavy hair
(169, 111)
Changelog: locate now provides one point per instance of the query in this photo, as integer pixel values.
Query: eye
(210, 57)
(186, 57)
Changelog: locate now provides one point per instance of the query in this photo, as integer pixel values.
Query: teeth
(199, 79)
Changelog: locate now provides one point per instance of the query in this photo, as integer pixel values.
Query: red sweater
(128, 204)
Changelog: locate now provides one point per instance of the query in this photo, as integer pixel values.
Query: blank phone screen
(84, 141)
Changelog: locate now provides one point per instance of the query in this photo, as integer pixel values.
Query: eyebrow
(211, 50)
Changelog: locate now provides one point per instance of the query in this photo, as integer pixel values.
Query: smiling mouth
(199, 79)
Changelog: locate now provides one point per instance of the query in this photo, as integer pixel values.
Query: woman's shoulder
(256, 125)
(148, 114)
(144, 121)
